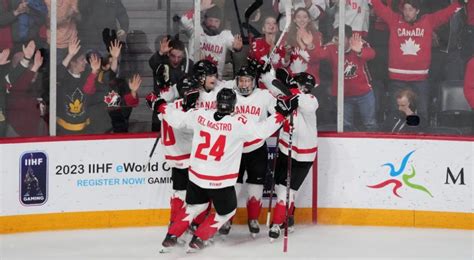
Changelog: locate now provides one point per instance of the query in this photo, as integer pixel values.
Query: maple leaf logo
(410, 47)
(112, 99)
(298, 66)
(276, 58)
(211, 59)
(302, 53)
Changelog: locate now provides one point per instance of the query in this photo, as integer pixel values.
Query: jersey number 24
(217, 149)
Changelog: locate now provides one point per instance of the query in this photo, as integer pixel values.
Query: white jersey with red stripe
(218, 144)
(176, 142)
(305, 133)
(256, 107)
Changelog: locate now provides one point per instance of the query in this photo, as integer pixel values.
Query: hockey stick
(288, 185)
(288, 8)
(272, 190)
(237, 12)
(249, 11)
(154, 147)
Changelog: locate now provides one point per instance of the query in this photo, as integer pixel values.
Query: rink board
(92, 182)
(114, 191)
(435, 181)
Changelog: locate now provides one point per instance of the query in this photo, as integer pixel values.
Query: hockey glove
(162, 76)
(285, 106)
(284, 76)
(160, 106)
(151, 99)
(190, 99)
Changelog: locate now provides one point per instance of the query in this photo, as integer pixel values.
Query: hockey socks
(212, 223)
(177, 204)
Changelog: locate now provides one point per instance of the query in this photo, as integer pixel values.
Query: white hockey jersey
(305, 133)
(217, 145)
(256, 107)
(212, 48)
(357, 15)
(176, 142)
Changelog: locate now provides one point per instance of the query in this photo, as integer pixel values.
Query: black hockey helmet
(305, 81)
(202, 69)
(226, 100)
(245, 71)
(186, 84)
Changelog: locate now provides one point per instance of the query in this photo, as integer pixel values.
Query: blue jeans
(365, 104)
(422, 90)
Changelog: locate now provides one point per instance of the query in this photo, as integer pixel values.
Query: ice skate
(225, 229)
(170, 242)
(274, 232)
(196, 245)
(254, 227)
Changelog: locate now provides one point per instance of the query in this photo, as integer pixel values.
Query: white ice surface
(307, 242)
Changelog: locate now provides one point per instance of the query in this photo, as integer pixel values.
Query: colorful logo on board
(402, 172)
(33, 178)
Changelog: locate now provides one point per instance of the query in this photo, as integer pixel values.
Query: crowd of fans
(397, 52)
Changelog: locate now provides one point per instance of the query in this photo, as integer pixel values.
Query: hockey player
(199, 90)
(216, 152)
(214, 42)
(255, 104)
(304, 146)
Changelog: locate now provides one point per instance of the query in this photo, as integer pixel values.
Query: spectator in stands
(8, 15)
(67, 15)
(104, 95)
(72, 103)
(97, 15)
(410, 47)
(302, 43)
(357, 16)
(215, 42)
(120, 111)
(469, 82)
(314, 8)
(404, 120)
(261, 47)
(172, 53)
(20, 22)
(23, 105)
(358, 93)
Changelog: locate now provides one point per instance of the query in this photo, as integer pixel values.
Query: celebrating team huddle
(213, 132)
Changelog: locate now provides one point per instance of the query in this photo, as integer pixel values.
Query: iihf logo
(33, 178)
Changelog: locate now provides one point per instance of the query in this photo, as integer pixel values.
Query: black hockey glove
(162, 76)
(286, 106)
(190, 99)
(284, 76)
